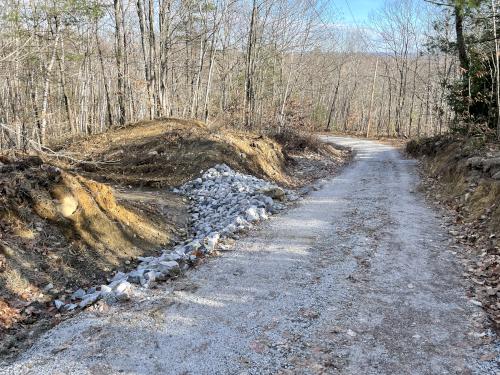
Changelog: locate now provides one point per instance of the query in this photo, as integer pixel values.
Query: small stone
(150, 275)
(48, 287)
(239, 221)
(351, 333)
(58, 304)
(274, 192)
(491, 164)
(119, 276)
(122, 290)
(67, 205)
(211, 241)
(168, 267)
(262, 213)
(78, 294)
(474, 162)
(70, 306)
(230, 229)
(251, 214)
(106, 289)
(135, 276)
(89, 299)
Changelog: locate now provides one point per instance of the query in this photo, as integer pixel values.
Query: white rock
(135, 276)
(122, 290)
(262, 213)
(251, 214)
(169, 268)
(211, 241)
(58, 304)
(351, 333)
(274, 192)
(229, 229)
(122, 287)
(150, 275)
(89, 299)
(240, 221)
(70, 306)
(105, 289)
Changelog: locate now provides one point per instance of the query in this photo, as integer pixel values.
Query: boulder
(79, 294)
(251, 214)
(274, 192)
(89, 299)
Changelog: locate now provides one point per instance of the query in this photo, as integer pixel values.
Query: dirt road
(358, 279)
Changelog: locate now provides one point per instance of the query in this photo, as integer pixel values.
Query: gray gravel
(358, 279)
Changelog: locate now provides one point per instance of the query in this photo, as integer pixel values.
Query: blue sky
(360, 10)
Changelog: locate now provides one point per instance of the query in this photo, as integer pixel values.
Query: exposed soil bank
(169, 152)
(464, 175)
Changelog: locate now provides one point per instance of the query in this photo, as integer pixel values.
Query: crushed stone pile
(223, 203)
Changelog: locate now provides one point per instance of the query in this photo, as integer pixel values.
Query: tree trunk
(371, 100)
(119, 46)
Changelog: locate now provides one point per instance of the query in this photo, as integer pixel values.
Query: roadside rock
(89, 299)
(275, 193)
(58, 304)
(78, 294)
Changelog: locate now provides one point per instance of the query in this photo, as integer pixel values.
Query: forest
(249, 187)
(79, 67)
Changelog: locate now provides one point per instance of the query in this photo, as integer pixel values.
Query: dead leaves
(476, 245)
(8, 315)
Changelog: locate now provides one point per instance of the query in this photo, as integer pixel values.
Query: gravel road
(357, 279)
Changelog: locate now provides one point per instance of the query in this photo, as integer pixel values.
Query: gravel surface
(357, 279)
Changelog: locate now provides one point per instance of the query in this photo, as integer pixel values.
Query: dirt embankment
(72, 219)
(464, 174)
(60, 231)
(170, 152)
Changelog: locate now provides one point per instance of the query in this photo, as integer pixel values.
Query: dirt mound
(464, 175)
(170, 152)
(59, 231)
